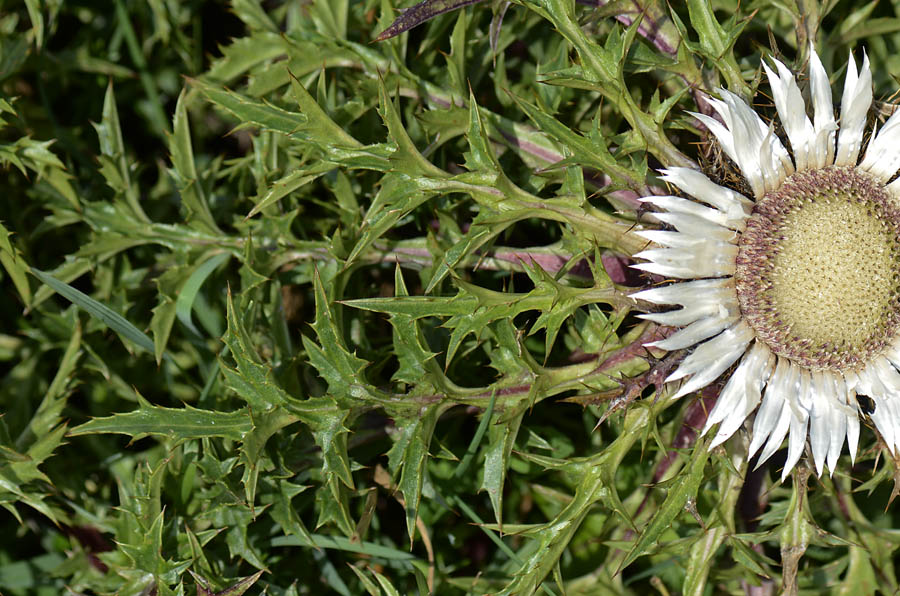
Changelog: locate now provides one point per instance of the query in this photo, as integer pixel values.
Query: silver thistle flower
(801, 282)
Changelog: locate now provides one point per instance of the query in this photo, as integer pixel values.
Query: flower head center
(818, 268)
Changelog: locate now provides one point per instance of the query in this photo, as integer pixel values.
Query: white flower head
(798, 284)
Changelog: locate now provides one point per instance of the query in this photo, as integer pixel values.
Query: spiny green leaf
(250, 378)
(502, 433)
(236, 589)
(15, 265)
(184, 171)
(286, 185)
(251, 111)
(398, 196)
(237, 520)
(284, 513)
(342, 370)
(36, 156)
(418, 306)
(480, 157)
(175, 423)
(456, 59)
(409, 455)
(49, 412)
(114, 160)
(19, 473)
(311, 126)
(146, 553)
(319, 126)
(244, 53)
(265, 424)
(682, 490)
(418, 367)
(253, 15)
(242, 585)
(198, 557)
(715, 43)
(331, 436)
(109, 131)
(591, 151)
(407, 156)
(747, 557)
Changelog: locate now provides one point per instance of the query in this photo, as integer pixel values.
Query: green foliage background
(289, 311)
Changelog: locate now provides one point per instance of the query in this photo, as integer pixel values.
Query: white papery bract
(799, 387)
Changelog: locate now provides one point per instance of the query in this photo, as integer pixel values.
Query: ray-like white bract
(791, 400)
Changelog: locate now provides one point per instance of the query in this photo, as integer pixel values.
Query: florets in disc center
(818, 268)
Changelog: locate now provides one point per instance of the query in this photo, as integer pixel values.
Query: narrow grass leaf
(104, 314)
(187, 295)
(369, 549)
(370, 586)
(474, 444)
